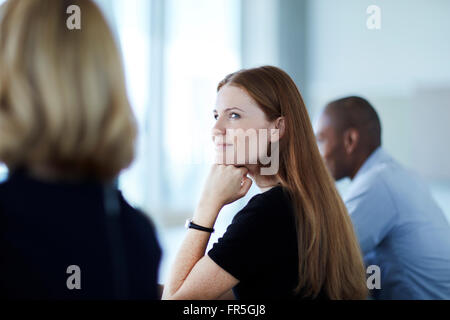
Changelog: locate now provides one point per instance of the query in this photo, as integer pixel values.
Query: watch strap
(192, 225)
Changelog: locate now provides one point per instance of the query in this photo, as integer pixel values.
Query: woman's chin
(220, 158)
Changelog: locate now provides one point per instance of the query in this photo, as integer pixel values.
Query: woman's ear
(280, 128)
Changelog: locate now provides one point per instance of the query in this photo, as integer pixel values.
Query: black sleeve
(250, 244)
(144, 254)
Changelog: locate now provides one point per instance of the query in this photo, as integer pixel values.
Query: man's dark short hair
(356, 112)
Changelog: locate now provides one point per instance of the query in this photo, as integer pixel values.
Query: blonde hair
(329, 255)
(63, 101)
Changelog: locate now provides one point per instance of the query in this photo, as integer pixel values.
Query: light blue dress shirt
(401, 229)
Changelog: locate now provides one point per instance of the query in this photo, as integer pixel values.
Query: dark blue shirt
(45, 227)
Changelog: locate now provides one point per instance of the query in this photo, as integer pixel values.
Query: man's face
(331, 146)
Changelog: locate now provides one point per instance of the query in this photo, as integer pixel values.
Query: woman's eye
(234, 115)
(216, 116)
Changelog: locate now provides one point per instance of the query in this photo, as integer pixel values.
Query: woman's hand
(225, 184)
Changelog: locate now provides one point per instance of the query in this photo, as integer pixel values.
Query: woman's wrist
(206, 214)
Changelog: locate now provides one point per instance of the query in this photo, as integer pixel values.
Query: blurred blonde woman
(66, 131)
(295, 239)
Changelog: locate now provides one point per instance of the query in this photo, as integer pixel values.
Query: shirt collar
(377, 156)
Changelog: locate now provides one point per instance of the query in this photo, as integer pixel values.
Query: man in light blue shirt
(400, 227)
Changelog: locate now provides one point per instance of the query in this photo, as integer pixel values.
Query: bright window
(202, 46)
(175, 52)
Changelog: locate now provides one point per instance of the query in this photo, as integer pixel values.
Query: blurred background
(176, 51)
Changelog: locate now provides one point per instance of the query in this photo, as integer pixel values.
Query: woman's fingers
(246, 184)
(243, 171)
(226, 184)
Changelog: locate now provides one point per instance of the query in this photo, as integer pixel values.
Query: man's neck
(359, 162)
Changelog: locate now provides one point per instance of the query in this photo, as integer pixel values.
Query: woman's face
(242, 133)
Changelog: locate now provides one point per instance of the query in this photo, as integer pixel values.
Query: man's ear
(281, 126)
(351, 140)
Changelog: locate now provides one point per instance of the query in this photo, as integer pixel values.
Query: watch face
(186, 225)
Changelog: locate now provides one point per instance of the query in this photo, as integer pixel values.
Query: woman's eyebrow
(228, 109)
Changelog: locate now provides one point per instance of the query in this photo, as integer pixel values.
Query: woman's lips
(223, 145)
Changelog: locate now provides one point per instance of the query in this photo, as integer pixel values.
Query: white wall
(393, 67)
(411, 47)
(259, 37)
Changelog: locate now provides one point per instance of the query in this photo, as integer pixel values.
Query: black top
(259, 248)
(46, 227)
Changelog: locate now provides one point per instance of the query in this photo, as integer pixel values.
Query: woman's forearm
(192, 249)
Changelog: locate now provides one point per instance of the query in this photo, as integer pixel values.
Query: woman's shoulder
(138, 222)
(277, 197)
(266, 205)
(135, 214)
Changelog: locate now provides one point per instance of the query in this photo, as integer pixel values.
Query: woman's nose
(219, 128)
(218, 131)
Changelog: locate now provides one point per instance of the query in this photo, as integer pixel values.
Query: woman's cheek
(246, 149)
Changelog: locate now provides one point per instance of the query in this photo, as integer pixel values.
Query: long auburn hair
(328, 251)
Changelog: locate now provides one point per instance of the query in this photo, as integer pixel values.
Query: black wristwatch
(190, 224)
